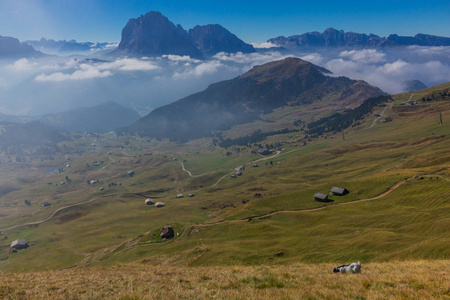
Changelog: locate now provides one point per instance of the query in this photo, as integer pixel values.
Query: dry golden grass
(393, 280)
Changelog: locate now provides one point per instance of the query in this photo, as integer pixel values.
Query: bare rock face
(213, 38)
(154, 35)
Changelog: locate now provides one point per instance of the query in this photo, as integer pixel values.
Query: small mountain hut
(338, 191)
(19, 244)
(167, 233)
(321, 197)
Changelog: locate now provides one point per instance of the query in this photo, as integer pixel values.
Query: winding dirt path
(52, 215)
(385, 193)
(189, 172)
(381, 115)
(279, 153)
(191, 229)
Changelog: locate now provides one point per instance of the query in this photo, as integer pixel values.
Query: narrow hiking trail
(189, 230)
(51, 216)
(279, 153)
(190, 174)
(387, 192)
(381, 115)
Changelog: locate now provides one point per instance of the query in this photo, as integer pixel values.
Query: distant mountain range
(414, 85)
(154, 35)
(334, 38)
(11, 48)
(100, 118)
(241, 100)
(66, 47)
(31, 138)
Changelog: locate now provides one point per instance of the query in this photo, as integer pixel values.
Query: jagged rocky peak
(213, 38)
(153, 34)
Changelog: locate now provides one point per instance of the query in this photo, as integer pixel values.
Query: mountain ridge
(242, 99)
(11, 47)
(338, 38)
(104, 117)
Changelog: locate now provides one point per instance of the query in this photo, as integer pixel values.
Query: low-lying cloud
(84, 72)
(364, 56)
(390, 69)
(37, 86)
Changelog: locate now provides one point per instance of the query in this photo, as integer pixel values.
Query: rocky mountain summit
(154, 35)
(213, 38)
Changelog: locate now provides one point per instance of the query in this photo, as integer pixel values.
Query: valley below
(251, 226)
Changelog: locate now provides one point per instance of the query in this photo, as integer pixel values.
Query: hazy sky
(252, 21)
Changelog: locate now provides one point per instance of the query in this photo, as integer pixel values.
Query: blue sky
(252, 21)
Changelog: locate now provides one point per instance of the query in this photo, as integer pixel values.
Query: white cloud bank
(364, 56)
(28, 84)
(389, 71)
(84, 72)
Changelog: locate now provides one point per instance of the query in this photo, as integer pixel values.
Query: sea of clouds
(54, 84)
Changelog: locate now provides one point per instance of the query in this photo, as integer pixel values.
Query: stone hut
(19, 244)
(167, 233)
(321, 197)
(338, 191)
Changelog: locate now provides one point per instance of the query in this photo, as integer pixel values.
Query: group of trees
(437, 96)
(340, 121)
(254, 138)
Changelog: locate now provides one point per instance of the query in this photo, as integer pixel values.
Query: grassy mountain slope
(243, 99)
(417, 280)
(264, 216)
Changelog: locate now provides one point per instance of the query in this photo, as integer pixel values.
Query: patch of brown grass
(394, 280)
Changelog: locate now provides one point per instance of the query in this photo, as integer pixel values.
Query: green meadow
(398, 208)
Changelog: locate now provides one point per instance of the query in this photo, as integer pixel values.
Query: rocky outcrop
(211, 39)
(154, 35)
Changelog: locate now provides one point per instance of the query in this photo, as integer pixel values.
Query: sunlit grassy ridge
(257, 218)
(394, 280)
